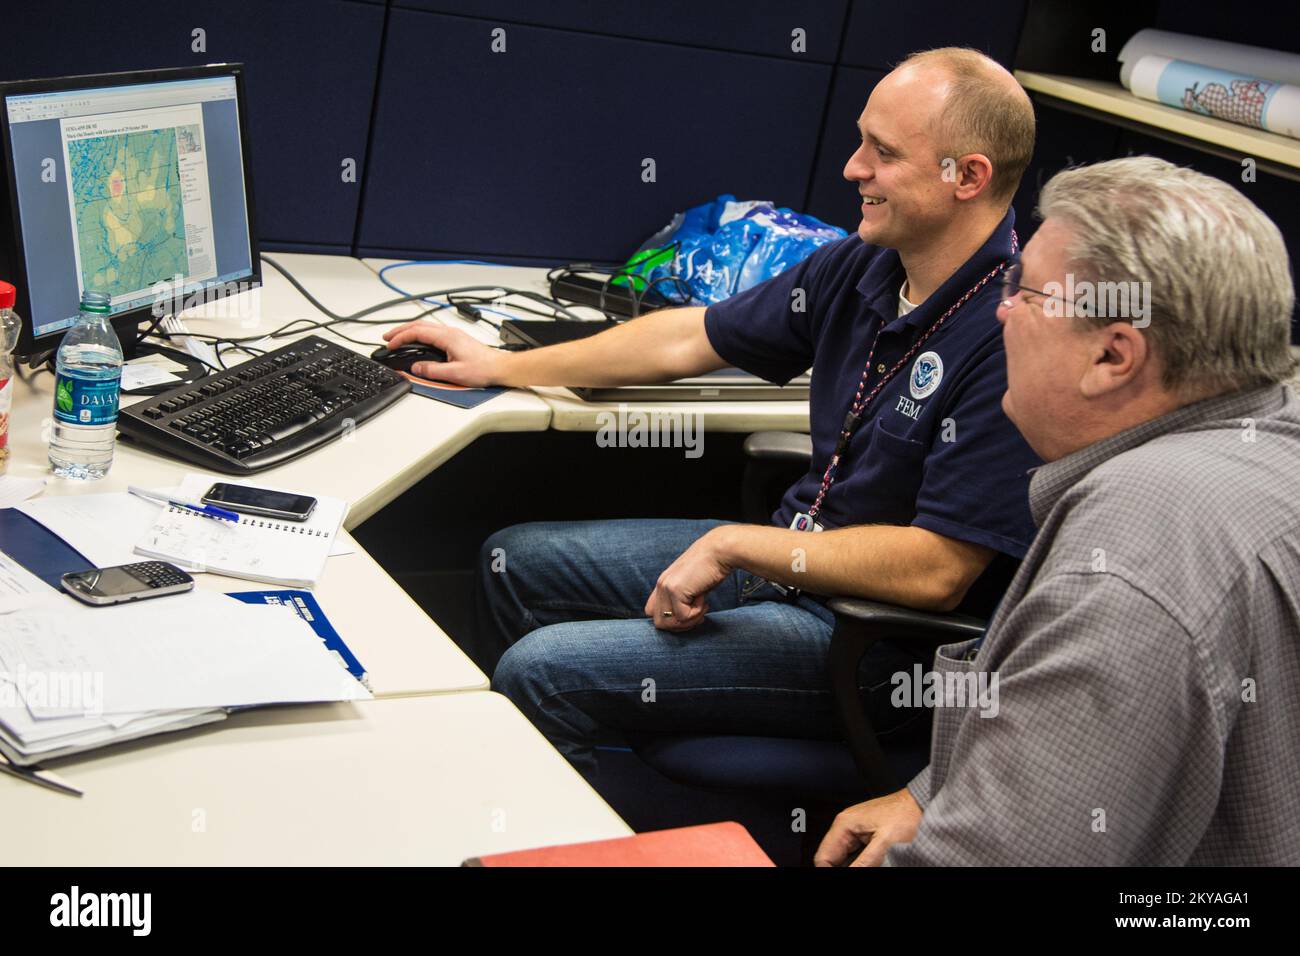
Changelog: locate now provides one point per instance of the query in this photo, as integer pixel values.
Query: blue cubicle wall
(536, 153)
(311, 79)
(532, 154)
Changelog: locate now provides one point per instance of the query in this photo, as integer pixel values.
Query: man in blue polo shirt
(918, 481)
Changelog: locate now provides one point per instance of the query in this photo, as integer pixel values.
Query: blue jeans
(561, 604)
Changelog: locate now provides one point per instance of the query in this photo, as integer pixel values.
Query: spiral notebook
(287, 553)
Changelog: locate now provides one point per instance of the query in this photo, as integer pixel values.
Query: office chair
(784, 790)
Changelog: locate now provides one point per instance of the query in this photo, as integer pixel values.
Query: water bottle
(88, 378)
(9, 326)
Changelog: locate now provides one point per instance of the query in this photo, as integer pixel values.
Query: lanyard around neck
(862, 398)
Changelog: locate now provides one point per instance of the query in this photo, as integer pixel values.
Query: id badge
(802, 522)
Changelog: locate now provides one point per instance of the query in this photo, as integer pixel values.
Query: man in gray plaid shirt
(1147, 654)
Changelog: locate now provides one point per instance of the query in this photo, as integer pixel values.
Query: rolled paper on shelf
(1276, 65)
(1223, 94)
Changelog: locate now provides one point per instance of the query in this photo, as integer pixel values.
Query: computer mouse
(403, 357)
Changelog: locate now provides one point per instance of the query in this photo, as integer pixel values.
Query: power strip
(583, 290)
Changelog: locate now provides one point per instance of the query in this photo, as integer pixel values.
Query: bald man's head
(985, 111)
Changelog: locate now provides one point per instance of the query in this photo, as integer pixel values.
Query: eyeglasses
(1011, 285)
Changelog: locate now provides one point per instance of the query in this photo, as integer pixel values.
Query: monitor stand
(136, 348)
(193, 368)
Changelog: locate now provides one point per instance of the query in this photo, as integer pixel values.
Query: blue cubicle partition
(741, 26)
(535, 154)
(311, 76)
(540, 151)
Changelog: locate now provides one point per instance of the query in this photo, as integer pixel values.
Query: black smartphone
(260, 501)
(126, 582)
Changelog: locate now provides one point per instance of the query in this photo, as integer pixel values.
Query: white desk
(385, 455)
(571, 414)
(568, 412)
(423, 780)
(402, 649)
(392, 451)
(429, 780)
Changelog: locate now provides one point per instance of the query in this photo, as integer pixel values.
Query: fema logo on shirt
(927, 372)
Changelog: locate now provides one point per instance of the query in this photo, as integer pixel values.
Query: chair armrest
(772, 461)
(779, 446)
(893, 622)
(859, 624)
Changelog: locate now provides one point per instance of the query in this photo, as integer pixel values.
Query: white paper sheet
(197, 650)
(143, 375)
(103, 527)
(14, 490)
(19, 588)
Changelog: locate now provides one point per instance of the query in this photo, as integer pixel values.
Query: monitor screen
(135, 189)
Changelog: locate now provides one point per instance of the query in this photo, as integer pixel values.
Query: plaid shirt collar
(1050, 481)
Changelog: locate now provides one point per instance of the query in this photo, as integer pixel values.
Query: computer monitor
(134, 184)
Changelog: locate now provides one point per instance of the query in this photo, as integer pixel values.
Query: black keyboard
(266, 411)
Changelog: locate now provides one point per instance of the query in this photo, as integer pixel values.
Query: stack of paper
(74, 677)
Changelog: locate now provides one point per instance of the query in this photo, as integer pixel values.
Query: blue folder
(37, 548)
(304, 604)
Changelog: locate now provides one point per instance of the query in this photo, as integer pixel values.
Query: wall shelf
(1110, 102)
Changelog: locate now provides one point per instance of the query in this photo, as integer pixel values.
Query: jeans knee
(512, 545)
(516, 675)
(546, 662)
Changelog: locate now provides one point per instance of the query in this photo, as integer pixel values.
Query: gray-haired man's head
(1147, 287)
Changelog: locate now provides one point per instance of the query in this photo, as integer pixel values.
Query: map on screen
(130, 218)
(139, 200)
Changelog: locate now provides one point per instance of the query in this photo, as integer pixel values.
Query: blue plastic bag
(724, 247)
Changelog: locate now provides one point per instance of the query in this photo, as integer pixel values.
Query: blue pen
(191, 505)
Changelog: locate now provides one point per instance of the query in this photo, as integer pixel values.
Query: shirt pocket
(895, 465)
(948, 659)
(886, 442)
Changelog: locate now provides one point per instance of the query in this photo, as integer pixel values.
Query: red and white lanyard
(861, 400)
